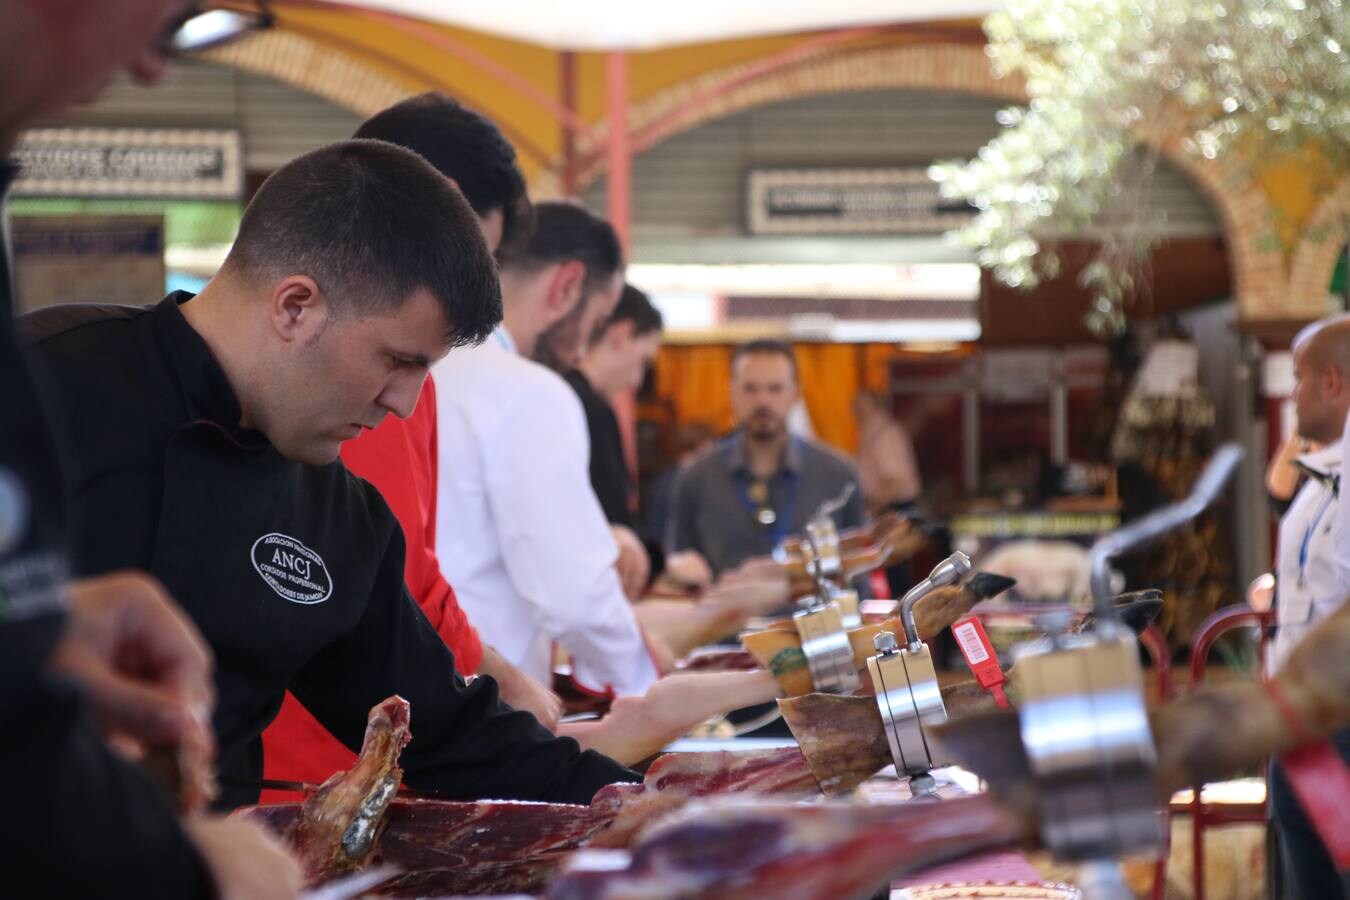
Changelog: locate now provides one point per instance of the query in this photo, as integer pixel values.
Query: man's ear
(620, 332)
(564, 289)
(296, 308)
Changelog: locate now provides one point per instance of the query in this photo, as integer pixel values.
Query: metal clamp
(822, 544)
(949, 571)
(1089, 746)
(909, 700)
(1083, 721)
(829, 655)
(849, 606)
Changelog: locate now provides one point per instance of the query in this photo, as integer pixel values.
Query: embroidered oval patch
(291, 569)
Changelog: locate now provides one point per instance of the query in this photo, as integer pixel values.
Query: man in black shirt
(83, 822)
(615, 362)
(207, 431)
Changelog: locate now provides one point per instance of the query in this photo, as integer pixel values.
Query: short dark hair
(464, 145)
(566, 231)
(371, 223)
(766, 347)
(636, 307)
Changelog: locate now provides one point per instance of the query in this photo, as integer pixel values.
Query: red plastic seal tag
(980, 656)
(1321, 782)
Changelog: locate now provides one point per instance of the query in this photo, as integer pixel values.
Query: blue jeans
(1307, 869)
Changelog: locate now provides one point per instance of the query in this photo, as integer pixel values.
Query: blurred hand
(634, 566)
(638, 727)
(756, 567)
(1261, 592)
(520, 690)
(246, 861)
(141, 661)
(689, 568)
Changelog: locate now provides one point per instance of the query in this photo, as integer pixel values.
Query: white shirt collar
(1327, 459)
(504, 339)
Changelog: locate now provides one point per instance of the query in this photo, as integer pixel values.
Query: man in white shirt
(520, 533)
(1313, 577)
(1313, 570)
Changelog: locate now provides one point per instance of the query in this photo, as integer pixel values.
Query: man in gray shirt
(762, 483)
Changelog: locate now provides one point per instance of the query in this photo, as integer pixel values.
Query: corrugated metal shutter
(693, 184)
(278, 122)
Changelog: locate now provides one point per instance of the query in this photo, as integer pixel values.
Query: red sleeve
(399, 458)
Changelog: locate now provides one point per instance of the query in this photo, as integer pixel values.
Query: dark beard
(560, 341)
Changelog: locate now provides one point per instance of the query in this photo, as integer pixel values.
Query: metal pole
(970, 427)
(1059, 410)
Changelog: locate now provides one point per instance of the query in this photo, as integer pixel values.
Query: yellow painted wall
(416, 62)
(1294, 184)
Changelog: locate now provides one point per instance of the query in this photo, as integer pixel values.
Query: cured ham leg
(675, 779)
(481, 848)
(889, 540)
(844, 740)
(747, 851)
(637, 728)
(1206, 735)
(779, 649)
(841, 738)
(340, 822)
(491, 846)
(1214, 731)
(500, 846)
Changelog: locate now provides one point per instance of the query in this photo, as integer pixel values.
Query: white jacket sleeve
(556, 544)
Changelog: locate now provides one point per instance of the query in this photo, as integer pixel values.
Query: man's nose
(400, 396)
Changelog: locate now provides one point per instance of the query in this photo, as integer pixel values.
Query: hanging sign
(161, 163)
(849, 201)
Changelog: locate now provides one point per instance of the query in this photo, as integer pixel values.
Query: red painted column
(619, 154)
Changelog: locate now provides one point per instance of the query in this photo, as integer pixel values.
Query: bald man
(1313, 569)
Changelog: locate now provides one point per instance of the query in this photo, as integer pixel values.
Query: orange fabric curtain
(695, 379)
(829, 377)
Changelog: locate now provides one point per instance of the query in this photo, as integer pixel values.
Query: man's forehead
(763, 367)
(419, 324)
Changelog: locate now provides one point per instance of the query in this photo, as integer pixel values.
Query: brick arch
(1320, 246)
(302, 62)
(340, 71)
(1255, 258)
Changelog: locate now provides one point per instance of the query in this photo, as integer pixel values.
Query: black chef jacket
(79, 821)
(609, 469)
(293, 572)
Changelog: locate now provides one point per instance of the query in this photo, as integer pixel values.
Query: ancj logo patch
(291, 569)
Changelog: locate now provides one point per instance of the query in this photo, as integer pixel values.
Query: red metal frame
(1160, 653)
(1203, 816)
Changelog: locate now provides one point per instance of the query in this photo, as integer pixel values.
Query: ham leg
(732, 850)
(489, 846)
(340, 822)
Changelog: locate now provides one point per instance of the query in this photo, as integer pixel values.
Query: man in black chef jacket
(80, 821)
(206, 432)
